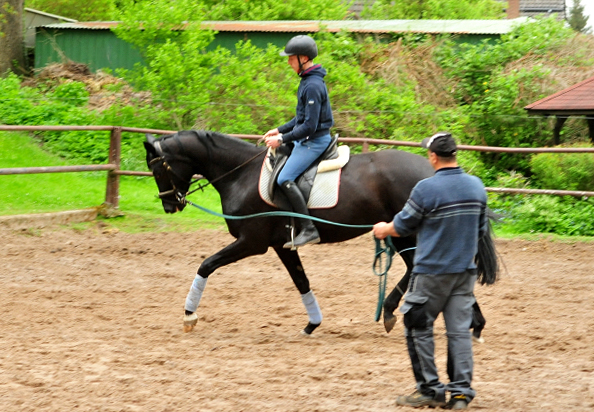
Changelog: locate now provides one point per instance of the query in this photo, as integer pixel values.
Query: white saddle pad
(324, 192)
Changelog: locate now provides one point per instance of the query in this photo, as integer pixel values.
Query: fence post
(365, 148)
(112, 193)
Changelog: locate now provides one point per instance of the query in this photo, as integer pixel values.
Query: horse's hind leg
(293, 264)
(393, 299)
(478, 323)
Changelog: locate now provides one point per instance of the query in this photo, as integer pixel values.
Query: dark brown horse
(374, 187)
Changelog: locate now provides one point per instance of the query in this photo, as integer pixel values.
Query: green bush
(544, 214)
(563, 171)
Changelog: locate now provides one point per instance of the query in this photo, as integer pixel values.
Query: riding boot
(309, 234)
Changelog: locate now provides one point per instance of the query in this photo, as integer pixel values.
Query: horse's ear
(149, 145)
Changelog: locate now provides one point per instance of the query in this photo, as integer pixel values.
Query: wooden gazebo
(577, 100)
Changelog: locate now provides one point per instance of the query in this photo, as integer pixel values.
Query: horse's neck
(220, 154)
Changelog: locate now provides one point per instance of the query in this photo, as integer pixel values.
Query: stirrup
(294, 245)
(291, 243)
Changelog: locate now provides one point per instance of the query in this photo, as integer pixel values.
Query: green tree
(275, 10)
(577, 20)
(88, 10)
(12, 51)
(433, 9)
(198, 86)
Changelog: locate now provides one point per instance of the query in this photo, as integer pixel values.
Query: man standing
(448, 214)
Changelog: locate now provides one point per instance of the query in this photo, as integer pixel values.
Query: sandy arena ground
(91, 321)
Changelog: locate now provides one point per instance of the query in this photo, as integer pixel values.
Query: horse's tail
(487, 261)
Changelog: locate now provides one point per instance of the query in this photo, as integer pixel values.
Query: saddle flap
(276, 159)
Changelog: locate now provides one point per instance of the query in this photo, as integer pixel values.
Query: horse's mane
(181, 141)
(219, 140)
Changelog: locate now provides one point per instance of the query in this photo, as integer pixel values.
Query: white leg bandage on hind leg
(312, 307)
(195, 293)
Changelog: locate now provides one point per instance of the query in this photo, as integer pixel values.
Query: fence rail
(114, 172)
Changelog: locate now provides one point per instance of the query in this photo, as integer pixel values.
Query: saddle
(329, 160)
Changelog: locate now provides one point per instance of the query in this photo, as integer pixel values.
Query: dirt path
(91, 321)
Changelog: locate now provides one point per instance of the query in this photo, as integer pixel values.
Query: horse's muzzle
(173, 207)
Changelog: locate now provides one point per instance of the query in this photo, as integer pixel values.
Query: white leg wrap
(312, 307)
(195, 293)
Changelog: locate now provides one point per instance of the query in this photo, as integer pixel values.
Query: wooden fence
(114, 172)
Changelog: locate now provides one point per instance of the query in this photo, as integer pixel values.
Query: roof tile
(579, 97)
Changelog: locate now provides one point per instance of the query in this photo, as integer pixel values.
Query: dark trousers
(428, 296)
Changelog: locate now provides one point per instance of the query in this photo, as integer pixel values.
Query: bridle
(180, 194)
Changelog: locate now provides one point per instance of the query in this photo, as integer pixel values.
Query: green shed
(95, 44)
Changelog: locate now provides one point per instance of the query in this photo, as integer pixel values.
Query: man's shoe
(457, 403)
(418, 400)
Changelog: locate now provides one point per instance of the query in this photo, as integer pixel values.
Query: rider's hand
(274, 141)
(272, 132)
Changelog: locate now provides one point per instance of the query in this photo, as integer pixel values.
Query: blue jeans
(304, 153)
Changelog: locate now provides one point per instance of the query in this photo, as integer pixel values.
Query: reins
(201, 187)
(276, 213)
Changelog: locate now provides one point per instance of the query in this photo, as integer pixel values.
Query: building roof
(357, 26)
(538, 7)
(52, 16)
(577, 99)
(35, 18)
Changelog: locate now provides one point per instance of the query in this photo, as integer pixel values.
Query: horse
(373, 187)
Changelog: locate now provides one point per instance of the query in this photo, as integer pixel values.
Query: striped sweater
(448, 213)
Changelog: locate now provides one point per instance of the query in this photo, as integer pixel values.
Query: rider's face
(293, 61)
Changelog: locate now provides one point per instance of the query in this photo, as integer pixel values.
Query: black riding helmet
(301, 45)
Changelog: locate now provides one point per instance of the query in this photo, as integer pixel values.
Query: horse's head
(173, 182)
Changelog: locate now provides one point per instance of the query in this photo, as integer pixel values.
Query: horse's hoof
(190, 321)
(309, 328)
(476, 336)
(389, 322)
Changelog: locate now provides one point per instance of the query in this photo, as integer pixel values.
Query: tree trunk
(12, 46)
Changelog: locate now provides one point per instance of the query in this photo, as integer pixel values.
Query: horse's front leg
(292, 262)
(232, 253)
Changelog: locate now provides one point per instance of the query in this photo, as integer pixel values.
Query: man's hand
(382, 230)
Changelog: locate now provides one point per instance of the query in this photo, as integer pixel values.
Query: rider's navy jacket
(448, 213)
(313, 114)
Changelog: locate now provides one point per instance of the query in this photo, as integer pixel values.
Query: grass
(54, 192)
